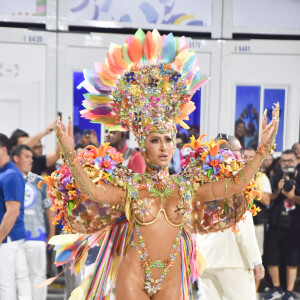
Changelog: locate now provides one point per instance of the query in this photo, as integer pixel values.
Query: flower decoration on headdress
(145, 85)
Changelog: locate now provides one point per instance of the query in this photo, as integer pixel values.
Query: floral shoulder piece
(208, 163)
(72, 207)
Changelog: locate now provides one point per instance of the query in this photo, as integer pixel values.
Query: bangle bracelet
(261, 149)
(72, 160)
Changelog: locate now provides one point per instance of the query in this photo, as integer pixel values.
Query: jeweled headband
(145, 85)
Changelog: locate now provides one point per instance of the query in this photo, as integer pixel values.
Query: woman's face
(239, 129)
(267, 162)
(297, 150)
(159, 148)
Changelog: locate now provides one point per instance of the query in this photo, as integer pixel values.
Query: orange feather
(119, 58)
(186, 109)
(107, 74)
(149, 46)
(112, 65)
(135, 50)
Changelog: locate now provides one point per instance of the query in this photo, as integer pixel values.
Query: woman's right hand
(65, 137)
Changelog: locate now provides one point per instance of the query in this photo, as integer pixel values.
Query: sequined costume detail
(152, 286)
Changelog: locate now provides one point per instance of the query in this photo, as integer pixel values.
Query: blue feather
(94, 79)
(196, 77)
(188, 65)
(63, 256)
(169, 49)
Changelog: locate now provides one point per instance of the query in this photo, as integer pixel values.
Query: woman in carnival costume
(144, 223)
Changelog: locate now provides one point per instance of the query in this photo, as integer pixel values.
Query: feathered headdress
(145, 85)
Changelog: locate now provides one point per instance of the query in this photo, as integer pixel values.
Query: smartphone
(87, 132)
(59, 114)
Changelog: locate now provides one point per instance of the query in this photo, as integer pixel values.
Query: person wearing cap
(132, 159)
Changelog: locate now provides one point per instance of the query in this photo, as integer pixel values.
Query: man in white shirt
(232, 260)
(264, 186)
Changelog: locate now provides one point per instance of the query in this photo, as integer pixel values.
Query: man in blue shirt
(12, 231)
(38, 219)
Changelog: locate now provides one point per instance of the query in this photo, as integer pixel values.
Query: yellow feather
(128, 209)
(79, 292)
(80, 263)
(106, 81)
(182, 124)
(200, 262)
(63, 239)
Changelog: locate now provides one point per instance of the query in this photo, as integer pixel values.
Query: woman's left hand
(268, 131)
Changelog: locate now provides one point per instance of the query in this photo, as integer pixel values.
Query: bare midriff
(159, 238)
(159, 223)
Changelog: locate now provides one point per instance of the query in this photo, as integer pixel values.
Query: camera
(289, 177)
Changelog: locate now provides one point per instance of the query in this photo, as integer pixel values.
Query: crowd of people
(272, 241)
(26, 220)
(276, 228)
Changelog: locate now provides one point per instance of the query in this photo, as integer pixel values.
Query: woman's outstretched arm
(225, 188)
(98, 193)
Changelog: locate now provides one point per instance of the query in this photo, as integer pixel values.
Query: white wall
(264, 63)
(27, 81)
(36, 66)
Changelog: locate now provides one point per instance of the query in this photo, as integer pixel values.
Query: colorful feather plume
(113, 241)
(179, 74)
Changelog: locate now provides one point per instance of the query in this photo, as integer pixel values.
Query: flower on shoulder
(203, 155)
(105, 163)
(199, 152)
(228, 155)
(115, 155)
(256, 195)
(213, 163)
(102, 150)
(89, 153)
(64, 171)
(72, 194)
(93, 153)
(49, 180)
(236, 165)
(213, 146)
(224, 170)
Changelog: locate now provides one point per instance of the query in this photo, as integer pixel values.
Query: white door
(19, 102)
(256, 74)
(27, 81)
